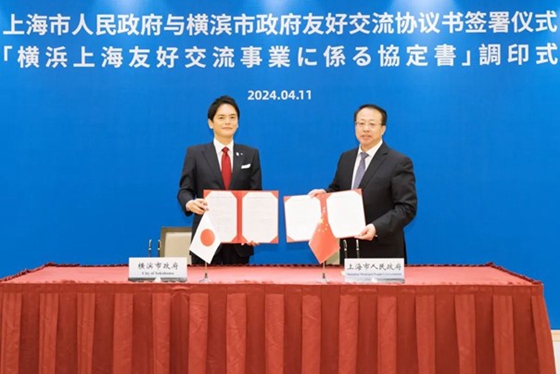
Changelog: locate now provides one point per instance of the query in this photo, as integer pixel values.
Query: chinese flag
(323, 242)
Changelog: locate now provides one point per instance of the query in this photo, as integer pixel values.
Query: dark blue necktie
(361, 170)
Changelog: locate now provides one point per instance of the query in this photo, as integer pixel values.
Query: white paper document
(345, 213)
(222, 209)
(244, 216)
(302, 215)
(260, 217)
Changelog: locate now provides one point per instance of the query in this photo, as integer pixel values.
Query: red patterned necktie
(226, 167)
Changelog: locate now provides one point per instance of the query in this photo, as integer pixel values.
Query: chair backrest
(175, 242)
(334, 259)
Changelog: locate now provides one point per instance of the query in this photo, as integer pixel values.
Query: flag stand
(205, 279)
(324, 277)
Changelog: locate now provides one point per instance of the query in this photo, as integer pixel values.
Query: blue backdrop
(101, 98)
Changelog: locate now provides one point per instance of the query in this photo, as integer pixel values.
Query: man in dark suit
(388, 185)
(219, 165)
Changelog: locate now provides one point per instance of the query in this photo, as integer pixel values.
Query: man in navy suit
(203, 169)
(388, 185)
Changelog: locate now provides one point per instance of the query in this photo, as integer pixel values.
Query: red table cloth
(274, 319)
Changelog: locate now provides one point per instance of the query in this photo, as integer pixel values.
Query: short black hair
(376, 107)
(219, 102)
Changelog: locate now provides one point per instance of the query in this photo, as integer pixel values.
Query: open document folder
(244, 216)
(345, 211)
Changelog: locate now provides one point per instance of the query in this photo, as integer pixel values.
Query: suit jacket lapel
(213, 164)
(348, 170)
(237, 159)
(374, 164)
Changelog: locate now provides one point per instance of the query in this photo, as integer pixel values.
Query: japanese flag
(205, 241)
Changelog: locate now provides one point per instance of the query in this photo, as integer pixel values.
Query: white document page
(346, 213)
(260, 217)
(222, 209)
(302, 215)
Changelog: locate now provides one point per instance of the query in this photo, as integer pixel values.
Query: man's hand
(316, 192)
(197, 206)
(251, 243)
(368, 233)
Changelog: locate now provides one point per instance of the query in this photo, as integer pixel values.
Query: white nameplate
(164, 269)
(374, 270)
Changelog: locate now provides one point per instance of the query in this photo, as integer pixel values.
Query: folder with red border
(272, 214)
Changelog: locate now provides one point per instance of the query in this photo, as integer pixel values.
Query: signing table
(274, 319)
